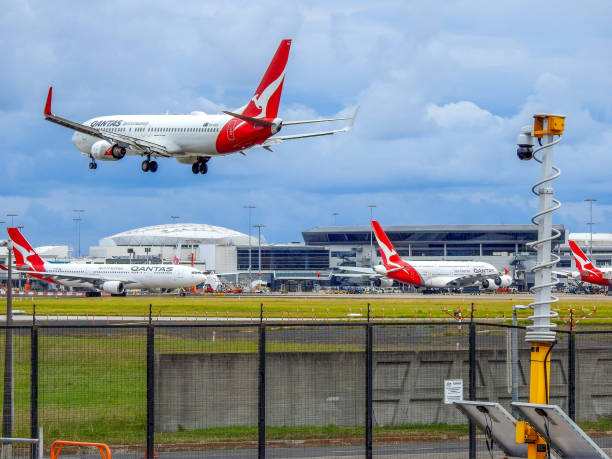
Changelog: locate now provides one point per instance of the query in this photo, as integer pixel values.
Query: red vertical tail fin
(266, 99)
(25, 256)
(389, 256)
(582, 261)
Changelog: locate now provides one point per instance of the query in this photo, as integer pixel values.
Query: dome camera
(525, 144)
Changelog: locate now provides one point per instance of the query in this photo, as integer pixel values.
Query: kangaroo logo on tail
(582, 261)
(25, 256)
(387, 251)
(265, 101)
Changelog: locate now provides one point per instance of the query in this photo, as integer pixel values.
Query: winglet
(48, 104)
(352, 121)
(250, 119)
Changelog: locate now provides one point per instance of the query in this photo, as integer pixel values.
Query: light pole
(335, 214)
(590, 223)
(259, 227)
(8, 411)
(371, 206)
(78, 219)
(250, 209)
(12, 215)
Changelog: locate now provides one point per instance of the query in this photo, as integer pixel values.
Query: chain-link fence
(285, 389)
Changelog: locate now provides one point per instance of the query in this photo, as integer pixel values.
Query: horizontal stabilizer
(249, 119)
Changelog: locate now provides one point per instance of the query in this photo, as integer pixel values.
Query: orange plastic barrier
(57, 446)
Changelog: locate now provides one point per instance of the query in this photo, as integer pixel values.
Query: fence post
(472, 385)
(571, 364)
(369, 379)
(34, 433)
(150, 450)
(261, 423)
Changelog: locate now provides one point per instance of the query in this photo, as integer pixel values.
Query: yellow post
(539, 387)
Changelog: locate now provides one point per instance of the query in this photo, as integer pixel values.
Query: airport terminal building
(313, 263)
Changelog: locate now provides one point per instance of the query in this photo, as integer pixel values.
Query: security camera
(525, 144)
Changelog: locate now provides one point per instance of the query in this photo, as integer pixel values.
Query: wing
(568, 274)
(95, 280)
(356, 269)
(139, 146)
(458, 281)
(352, 275)
(281, 138)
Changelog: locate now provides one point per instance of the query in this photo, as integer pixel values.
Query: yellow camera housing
(548, 124)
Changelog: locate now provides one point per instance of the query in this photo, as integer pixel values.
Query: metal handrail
(34, 441)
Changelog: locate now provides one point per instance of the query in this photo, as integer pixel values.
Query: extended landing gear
(93, 165)
(149, 166)
(200, 167)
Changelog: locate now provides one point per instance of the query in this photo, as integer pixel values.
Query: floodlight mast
(541, 333)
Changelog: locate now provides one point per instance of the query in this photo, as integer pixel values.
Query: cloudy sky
(443, 90)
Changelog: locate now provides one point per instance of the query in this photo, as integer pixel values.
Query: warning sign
(453, 390)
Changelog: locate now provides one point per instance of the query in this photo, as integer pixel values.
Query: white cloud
(463, 115)
(442, 92)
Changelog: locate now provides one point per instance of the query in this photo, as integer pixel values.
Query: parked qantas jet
(194, 138)
(432, 274)
(587, 272)
(111, 278)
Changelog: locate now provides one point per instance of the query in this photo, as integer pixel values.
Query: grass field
(333, 306)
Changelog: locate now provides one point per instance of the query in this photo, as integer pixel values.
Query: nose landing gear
(92, 163)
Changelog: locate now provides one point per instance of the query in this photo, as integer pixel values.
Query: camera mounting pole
(541, 333)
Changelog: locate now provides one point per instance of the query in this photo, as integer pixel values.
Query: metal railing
(372, 387)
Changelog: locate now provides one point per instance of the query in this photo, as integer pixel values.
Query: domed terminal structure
(209, 247)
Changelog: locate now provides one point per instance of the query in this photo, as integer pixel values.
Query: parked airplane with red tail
(587, 272)
(430, 273)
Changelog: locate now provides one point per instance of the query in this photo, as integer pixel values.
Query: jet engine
(383, 282)
(506, 281)
(492, 284)
(277, 125)
(104, 151)
(115, 287)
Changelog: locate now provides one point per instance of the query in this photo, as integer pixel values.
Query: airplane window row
(207, 129)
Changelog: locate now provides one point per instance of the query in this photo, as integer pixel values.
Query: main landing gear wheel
(146, 164)
(152, 166)
(93, 165)
(195, 168)
(203, 168)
